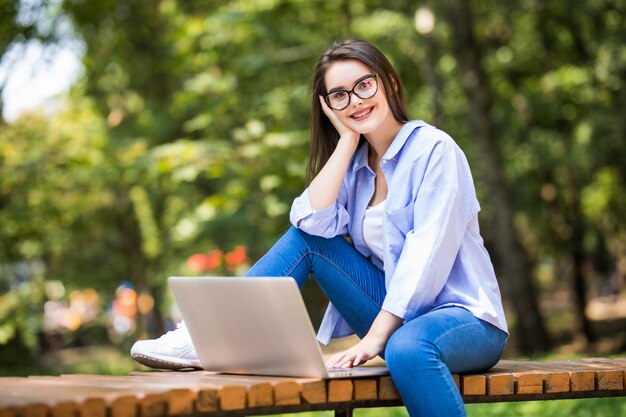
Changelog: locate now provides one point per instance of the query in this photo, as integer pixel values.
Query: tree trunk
(136, 262)
(433, 79)
(578, 256)
(517, 280)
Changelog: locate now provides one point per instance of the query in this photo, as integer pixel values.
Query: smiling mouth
(362, 114)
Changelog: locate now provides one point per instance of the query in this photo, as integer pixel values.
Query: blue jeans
(423, 353)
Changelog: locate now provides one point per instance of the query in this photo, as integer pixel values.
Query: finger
(327, 110)
(361, 358)
(346, 361)
(334, 360)
(330, 114)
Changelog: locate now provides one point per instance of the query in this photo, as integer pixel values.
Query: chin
(366, 127)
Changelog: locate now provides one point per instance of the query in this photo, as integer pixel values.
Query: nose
(354, 99)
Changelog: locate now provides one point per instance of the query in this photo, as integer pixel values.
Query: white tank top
(373, 229)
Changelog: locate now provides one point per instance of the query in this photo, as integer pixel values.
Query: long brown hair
(324, 136)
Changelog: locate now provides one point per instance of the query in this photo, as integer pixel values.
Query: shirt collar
(401, 138)
(360, 157)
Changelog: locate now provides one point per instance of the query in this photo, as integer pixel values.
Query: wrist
(377, 339)
(349, 141)
(384, 325)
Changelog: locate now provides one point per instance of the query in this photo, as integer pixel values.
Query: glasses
(365, 87)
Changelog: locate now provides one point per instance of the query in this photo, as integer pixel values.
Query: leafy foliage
(188, 133)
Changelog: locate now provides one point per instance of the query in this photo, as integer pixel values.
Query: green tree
(188, 133)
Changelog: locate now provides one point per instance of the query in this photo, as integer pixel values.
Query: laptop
(254, 326)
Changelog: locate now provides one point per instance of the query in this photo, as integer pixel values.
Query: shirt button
(384, 161)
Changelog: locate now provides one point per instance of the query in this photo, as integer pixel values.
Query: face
(364, 116)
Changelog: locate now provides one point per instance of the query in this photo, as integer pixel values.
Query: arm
(444, 205)
(320, 209)
(371, 345)
(324, 188)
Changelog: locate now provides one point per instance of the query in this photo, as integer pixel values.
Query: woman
(416, 283)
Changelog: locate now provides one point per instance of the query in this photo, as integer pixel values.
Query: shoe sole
(153, 362)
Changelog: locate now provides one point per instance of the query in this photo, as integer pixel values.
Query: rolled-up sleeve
(328, 222)
(443, 207)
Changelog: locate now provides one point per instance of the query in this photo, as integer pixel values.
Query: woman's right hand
(344, 131)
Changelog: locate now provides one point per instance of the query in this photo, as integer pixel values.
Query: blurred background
(141, 139)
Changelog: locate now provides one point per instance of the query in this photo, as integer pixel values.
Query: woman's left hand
(368, 348)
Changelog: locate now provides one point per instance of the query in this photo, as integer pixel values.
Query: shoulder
(426, 141)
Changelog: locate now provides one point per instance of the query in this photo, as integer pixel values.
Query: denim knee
(404, 348)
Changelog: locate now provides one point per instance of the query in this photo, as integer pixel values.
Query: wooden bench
(161, 394)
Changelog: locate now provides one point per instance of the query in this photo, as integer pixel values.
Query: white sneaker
(173, 350)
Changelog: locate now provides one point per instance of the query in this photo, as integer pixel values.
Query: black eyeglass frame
(351, 91)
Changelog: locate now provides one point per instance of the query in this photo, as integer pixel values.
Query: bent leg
(423, 354)
(354, 285)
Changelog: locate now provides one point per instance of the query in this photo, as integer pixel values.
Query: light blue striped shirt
(434, 255)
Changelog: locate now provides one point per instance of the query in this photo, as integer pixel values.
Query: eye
(365, 84)
(338, 95)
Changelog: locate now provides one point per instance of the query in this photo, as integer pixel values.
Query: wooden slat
(528, 382)
(606, 377)
(123, 406)
(365, 389)
(212, 393)
(473, 385)
(500, 384)
(581, 377)
(612, 362)
(181, 391)
(85, 401)
(22, 407)
(152, 400)
(8, 410)
(558, 381)
(555, 379)
(387, 390)
(207, 395)
(527, 377)
(610, 380)
(232, 398)
(266, 391)
(25, 409)
(313, 391)
(457, 381)
(283, 391)
(340, 390)
(619, 363)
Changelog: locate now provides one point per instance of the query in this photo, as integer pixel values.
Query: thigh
(298, 254)
(354, 285)
(463, 342)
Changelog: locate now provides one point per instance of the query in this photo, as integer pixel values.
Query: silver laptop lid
(249, 326)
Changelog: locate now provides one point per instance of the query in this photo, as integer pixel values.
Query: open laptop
(254, 326)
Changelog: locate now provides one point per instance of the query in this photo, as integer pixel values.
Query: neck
(380, 140)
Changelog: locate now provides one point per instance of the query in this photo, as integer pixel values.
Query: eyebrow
(332, 90)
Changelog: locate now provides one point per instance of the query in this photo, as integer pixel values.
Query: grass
(593, 407)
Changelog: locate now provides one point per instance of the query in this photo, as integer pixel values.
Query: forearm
(325, 187)
(371, 345)
(383, 327)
